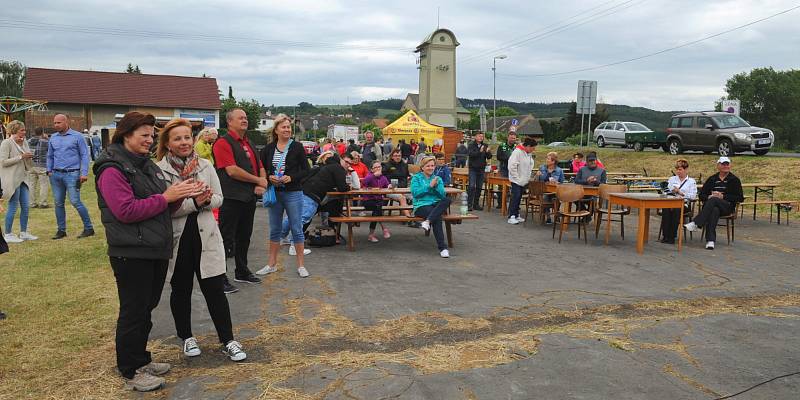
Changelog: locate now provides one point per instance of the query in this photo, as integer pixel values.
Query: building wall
(44, 119)
(156, 111)
(102, 115)
(437, 88)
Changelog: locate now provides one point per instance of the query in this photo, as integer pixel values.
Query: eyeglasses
(725, 163)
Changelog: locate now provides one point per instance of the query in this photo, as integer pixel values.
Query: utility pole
(494, 96)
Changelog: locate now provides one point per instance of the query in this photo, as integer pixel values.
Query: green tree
(506, 111)
(133, 69)
(12, 78)
(769, 99)
(346, 121)
(369, 126)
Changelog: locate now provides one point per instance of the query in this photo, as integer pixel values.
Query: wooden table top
(640, 178)
(760, 185)
(645, 196)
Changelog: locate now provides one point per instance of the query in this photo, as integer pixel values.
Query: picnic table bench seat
(449, 219)
(780, 205)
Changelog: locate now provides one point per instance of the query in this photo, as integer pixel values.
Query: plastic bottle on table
(464, 208)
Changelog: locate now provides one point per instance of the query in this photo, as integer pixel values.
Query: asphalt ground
(512, 314)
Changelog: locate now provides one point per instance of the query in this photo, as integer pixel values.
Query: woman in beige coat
(198, 248)
(16, 161)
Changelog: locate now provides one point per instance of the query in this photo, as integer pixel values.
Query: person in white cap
(720, 194)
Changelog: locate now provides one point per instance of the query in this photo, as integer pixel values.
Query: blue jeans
(516, 198)
(433, 213)
(19, 198)
(292, 204)
(309, 209)
(64, 183)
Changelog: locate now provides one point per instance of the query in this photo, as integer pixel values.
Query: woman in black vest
(287, 166)
(135, 206)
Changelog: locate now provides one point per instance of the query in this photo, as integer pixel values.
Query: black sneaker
(477, 208)
(2, 315)
(86, 233)
(60, 235)
(228, 288)
(249, 278)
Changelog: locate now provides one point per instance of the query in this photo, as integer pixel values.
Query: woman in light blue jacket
(430, 201)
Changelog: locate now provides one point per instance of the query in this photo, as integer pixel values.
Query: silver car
(616, 132)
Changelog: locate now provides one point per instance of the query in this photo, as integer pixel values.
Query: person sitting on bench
(430, 201)
(375, 203)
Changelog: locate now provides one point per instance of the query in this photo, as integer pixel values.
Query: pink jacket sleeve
(118, 195)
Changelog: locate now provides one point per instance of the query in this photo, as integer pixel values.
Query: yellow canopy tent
(411, 126)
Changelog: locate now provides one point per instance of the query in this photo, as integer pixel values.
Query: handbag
(269, 198)
(322, 236)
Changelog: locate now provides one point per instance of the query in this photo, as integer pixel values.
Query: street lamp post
(494, 96)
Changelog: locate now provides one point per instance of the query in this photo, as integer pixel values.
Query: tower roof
(429, 39)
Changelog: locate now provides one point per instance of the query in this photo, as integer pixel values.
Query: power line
(558, 27)
(657, 52)
(32, 25)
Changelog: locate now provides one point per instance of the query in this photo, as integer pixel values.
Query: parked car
(716, 131)
(558, 144)
(627, 134)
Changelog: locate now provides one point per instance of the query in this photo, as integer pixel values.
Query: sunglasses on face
(725, 163)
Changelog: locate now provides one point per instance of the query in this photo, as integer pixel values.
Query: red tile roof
(113, 88)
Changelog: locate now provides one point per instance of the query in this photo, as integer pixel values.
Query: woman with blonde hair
(430, 201)
(287, 166)
(197, 242)
(16, 163)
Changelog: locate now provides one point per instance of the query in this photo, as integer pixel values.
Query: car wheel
(675, 147)
(656, 146)
(601, 142)
(760, 152)
(665, 148)
(725, 148)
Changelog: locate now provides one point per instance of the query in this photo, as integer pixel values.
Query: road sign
(514, 122)
(731, 106)
(315, 123)
(587, 97)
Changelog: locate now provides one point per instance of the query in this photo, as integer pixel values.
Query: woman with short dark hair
(135, 205)
(680, 185)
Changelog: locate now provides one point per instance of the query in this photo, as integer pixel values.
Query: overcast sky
(329, 51)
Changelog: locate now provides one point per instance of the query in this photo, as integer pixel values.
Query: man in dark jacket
(461, 155)
(478, 153)
(405, 150)
(720, 193)
(504, 152)
(352, 146)
(396, 168)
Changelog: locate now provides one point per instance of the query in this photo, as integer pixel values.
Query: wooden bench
(450, 219)
(785, 205)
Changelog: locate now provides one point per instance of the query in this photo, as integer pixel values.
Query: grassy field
(62, 302)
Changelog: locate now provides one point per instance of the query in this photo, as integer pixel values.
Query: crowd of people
(178, 216)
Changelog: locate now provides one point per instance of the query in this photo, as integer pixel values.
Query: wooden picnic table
(645, 202)
(588, 190)
(630, 179)
(764, 188)
(623, 174)
(351, 220)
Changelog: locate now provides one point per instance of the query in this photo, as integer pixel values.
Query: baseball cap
(723, 160)
(591, 157)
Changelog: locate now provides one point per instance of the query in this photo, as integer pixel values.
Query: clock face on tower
(441, 38)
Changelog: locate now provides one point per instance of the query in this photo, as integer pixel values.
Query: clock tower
(436, 57)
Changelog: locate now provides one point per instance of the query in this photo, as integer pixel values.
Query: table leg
(755, 200)
(646, 225)
(608, 219)
(503, 197)
(449, 230)
(640, 233)
(350, 245)
(680, 230)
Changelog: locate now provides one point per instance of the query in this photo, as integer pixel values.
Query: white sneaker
(710, 245)
(234, 351)
(12, 238)
(520, 219)
(27, 236)
(444, 253)
(425, 225)
(190, 347)
(691, 227)
(303, 272)
(293, 251)
(512, 220)
(266, 270)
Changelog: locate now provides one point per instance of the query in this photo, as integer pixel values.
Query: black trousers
(476, 177)
(236, 226)
(433, 213)
(187, 266)
(708, 217)
(669, 222)
(376, 206)
(139, 285)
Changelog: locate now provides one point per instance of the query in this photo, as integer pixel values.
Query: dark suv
(716, 131)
